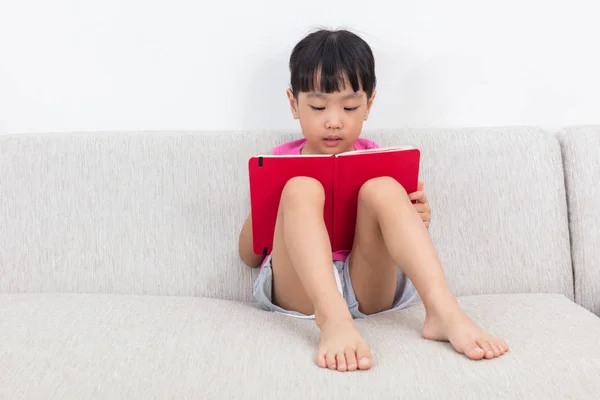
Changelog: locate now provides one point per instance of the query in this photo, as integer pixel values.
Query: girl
(392, 258)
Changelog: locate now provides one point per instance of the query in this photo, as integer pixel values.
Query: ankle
(331, 309)
(440, 302)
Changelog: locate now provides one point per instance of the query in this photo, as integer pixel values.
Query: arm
(246, 245)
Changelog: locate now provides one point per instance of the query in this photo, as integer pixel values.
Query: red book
(341, 175)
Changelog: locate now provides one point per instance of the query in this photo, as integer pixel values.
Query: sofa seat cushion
(116, 346)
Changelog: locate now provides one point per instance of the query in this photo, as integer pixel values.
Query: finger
(416, 196)
(421, 208)
(423, 215)
(424, 199)
(420, 186)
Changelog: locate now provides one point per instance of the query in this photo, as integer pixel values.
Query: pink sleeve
(367, 144)
(289, 147)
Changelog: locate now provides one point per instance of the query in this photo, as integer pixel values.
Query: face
(331, 122)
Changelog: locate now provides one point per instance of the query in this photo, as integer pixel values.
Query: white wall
(188, 64)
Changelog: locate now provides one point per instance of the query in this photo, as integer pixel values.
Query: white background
(190, 64)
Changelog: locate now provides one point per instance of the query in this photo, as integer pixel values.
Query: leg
(373, 272)
(303, 276)
(387, 216)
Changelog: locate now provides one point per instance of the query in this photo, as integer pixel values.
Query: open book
(341, 175)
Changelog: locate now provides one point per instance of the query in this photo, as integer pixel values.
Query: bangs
(326, 61)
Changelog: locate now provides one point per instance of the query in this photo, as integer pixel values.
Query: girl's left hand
(421, 205)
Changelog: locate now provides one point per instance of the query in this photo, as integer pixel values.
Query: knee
(382, 190)
(302, 189)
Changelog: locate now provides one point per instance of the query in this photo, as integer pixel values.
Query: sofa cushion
(581, 155)
(111, 346)
(132, 213)
(499, 213)
(159, 213)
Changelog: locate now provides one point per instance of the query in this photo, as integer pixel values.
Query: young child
(392, 258)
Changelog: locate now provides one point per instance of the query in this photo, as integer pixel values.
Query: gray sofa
(120, 277)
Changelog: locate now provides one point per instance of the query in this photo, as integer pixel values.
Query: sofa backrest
(159, 213)
(499, 212)
(581, 155)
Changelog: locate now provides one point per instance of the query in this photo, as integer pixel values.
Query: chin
(334, 150)
(322, 148)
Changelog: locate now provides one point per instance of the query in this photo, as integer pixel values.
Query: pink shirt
(296, 146)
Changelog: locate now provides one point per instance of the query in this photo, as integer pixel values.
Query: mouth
(332, 141)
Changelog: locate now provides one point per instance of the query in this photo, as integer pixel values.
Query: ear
(370, 104)
(293, 103)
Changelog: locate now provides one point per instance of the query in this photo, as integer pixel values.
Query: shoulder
(292, 147)
(365, 144)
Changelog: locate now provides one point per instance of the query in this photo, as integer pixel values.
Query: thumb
(420, 186)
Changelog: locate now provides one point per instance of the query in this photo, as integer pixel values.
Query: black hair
(338, 55)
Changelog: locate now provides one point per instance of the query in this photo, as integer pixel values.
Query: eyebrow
(322, 96)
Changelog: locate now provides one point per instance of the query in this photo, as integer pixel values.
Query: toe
(496, 350)
(321, 362)
(351, 359)
(330, 358)
(364, 357)
(473, 351)
(500, 345)
(341, 362)
(487, 347)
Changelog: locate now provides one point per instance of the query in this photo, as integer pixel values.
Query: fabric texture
(142, 347)
(581, 157)
(159, 213)
(263, 290)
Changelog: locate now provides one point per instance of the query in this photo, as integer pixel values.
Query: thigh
(288, 292)
(373, 272)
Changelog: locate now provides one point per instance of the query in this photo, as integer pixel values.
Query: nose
(334, 120)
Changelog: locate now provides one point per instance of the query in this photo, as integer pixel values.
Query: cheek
(355, 122)
(309, 119)
(310, 127)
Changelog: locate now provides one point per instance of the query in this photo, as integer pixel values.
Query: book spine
(265, 249)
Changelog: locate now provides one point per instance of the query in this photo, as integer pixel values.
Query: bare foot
(464, 335)
(342, 347)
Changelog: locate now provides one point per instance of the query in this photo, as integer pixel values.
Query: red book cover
(268, 176)
(341, 175)
(353, 169)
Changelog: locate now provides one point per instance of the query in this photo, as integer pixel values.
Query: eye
(317, 108)
(350, 108)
